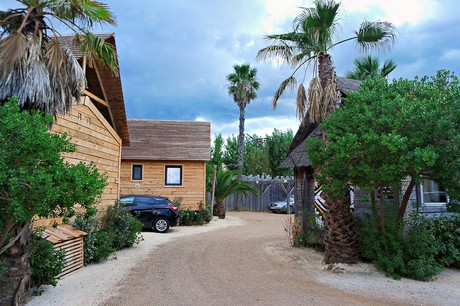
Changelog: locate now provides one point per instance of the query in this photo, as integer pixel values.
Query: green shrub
(453, 207)
(196, 217)
(401, 253)
(97, 242)
(447, 232)
(126, 228)
(46, 262)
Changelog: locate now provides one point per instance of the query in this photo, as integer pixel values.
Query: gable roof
(296, 155)
(104, 85)
(168, 140)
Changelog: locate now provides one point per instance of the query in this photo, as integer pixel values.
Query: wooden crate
(65, 237)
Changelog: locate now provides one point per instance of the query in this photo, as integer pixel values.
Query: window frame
(141, 173)
(181, 174)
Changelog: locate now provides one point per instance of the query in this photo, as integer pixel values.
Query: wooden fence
(269, 189)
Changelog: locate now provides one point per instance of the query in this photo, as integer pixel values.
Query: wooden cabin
(98, 125)
(306, 188)
(167, 158)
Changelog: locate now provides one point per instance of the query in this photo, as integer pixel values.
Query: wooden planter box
(70, 240)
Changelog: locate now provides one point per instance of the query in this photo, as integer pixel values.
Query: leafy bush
(97, 242)
(196, 217)
(408, 253)
(446, 229)
(126, 228)
(46, 262)
(453, 207)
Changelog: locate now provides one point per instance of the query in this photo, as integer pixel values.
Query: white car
(281, 207)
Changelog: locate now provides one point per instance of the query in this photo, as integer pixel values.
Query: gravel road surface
(242, 260)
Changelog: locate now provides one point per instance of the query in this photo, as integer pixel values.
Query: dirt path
(242, 260)
(253, 265)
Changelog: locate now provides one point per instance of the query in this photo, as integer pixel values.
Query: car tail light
(173, 208)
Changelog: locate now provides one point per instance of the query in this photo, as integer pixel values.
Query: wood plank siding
(97, 142)
(156, 144)
(192, 191)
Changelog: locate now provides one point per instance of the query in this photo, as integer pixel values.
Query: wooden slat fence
(270, 189)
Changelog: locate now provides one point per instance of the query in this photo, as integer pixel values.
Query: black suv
(155, 212)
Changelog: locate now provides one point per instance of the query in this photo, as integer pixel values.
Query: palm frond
(85, 13)
(301, 101)
(290, 82)
(96, 48)
(315, 95)
(275, 52)
(330, 97)
(13, 54)
(379, 35)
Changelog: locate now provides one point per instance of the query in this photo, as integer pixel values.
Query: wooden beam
(94, 97)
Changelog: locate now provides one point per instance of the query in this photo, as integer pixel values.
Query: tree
(242, 86)
(409, 128)
(231, 153)
(277, 146)
(33, 65)
(370, 67)
(35, 182)
(309, 43)
(226, 185)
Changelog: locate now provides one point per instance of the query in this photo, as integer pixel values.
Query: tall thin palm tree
(242, 86)
(226, 185)
(308, 45)
(35, 67)
(370, 67)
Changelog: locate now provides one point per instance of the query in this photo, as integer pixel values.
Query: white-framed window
(173, 175)
(136, 173)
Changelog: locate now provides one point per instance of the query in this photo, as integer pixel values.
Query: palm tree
(226, 185)
(44, 75)
(370, 67)
(242, 86)
(308, 45)
(35, 67)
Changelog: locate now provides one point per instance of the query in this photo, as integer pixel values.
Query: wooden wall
(95, 141)
(192, 191)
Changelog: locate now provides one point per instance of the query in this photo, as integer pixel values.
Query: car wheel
(160, 225)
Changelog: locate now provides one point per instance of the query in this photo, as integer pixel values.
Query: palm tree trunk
(241, 139)
(341, 244)
(15, 282)
(219, 209)
(341, 240)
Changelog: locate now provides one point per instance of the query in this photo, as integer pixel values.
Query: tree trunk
(382, 209)
(341, 240)
(15, 282)
(405, 199)
(219, 209)
(241, 140)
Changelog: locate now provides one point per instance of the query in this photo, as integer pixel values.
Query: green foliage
(408, 127)
(126, 228)
(263, 155)
(402, 253)
(34, 178)
(196, 217)
(277, 145)
(98, 243)
(117, 230)
(227, 184)
(447, 232)
(46, 262)
(453, 207)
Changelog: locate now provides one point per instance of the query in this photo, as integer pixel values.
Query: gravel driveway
(242, 260)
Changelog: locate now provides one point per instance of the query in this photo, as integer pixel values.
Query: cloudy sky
(175, 54)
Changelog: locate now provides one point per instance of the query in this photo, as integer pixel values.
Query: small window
(173, 176)
(137, 173)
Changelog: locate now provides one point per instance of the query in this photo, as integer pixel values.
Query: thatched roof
(168, 140)
(105, 85)
(296, 155)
